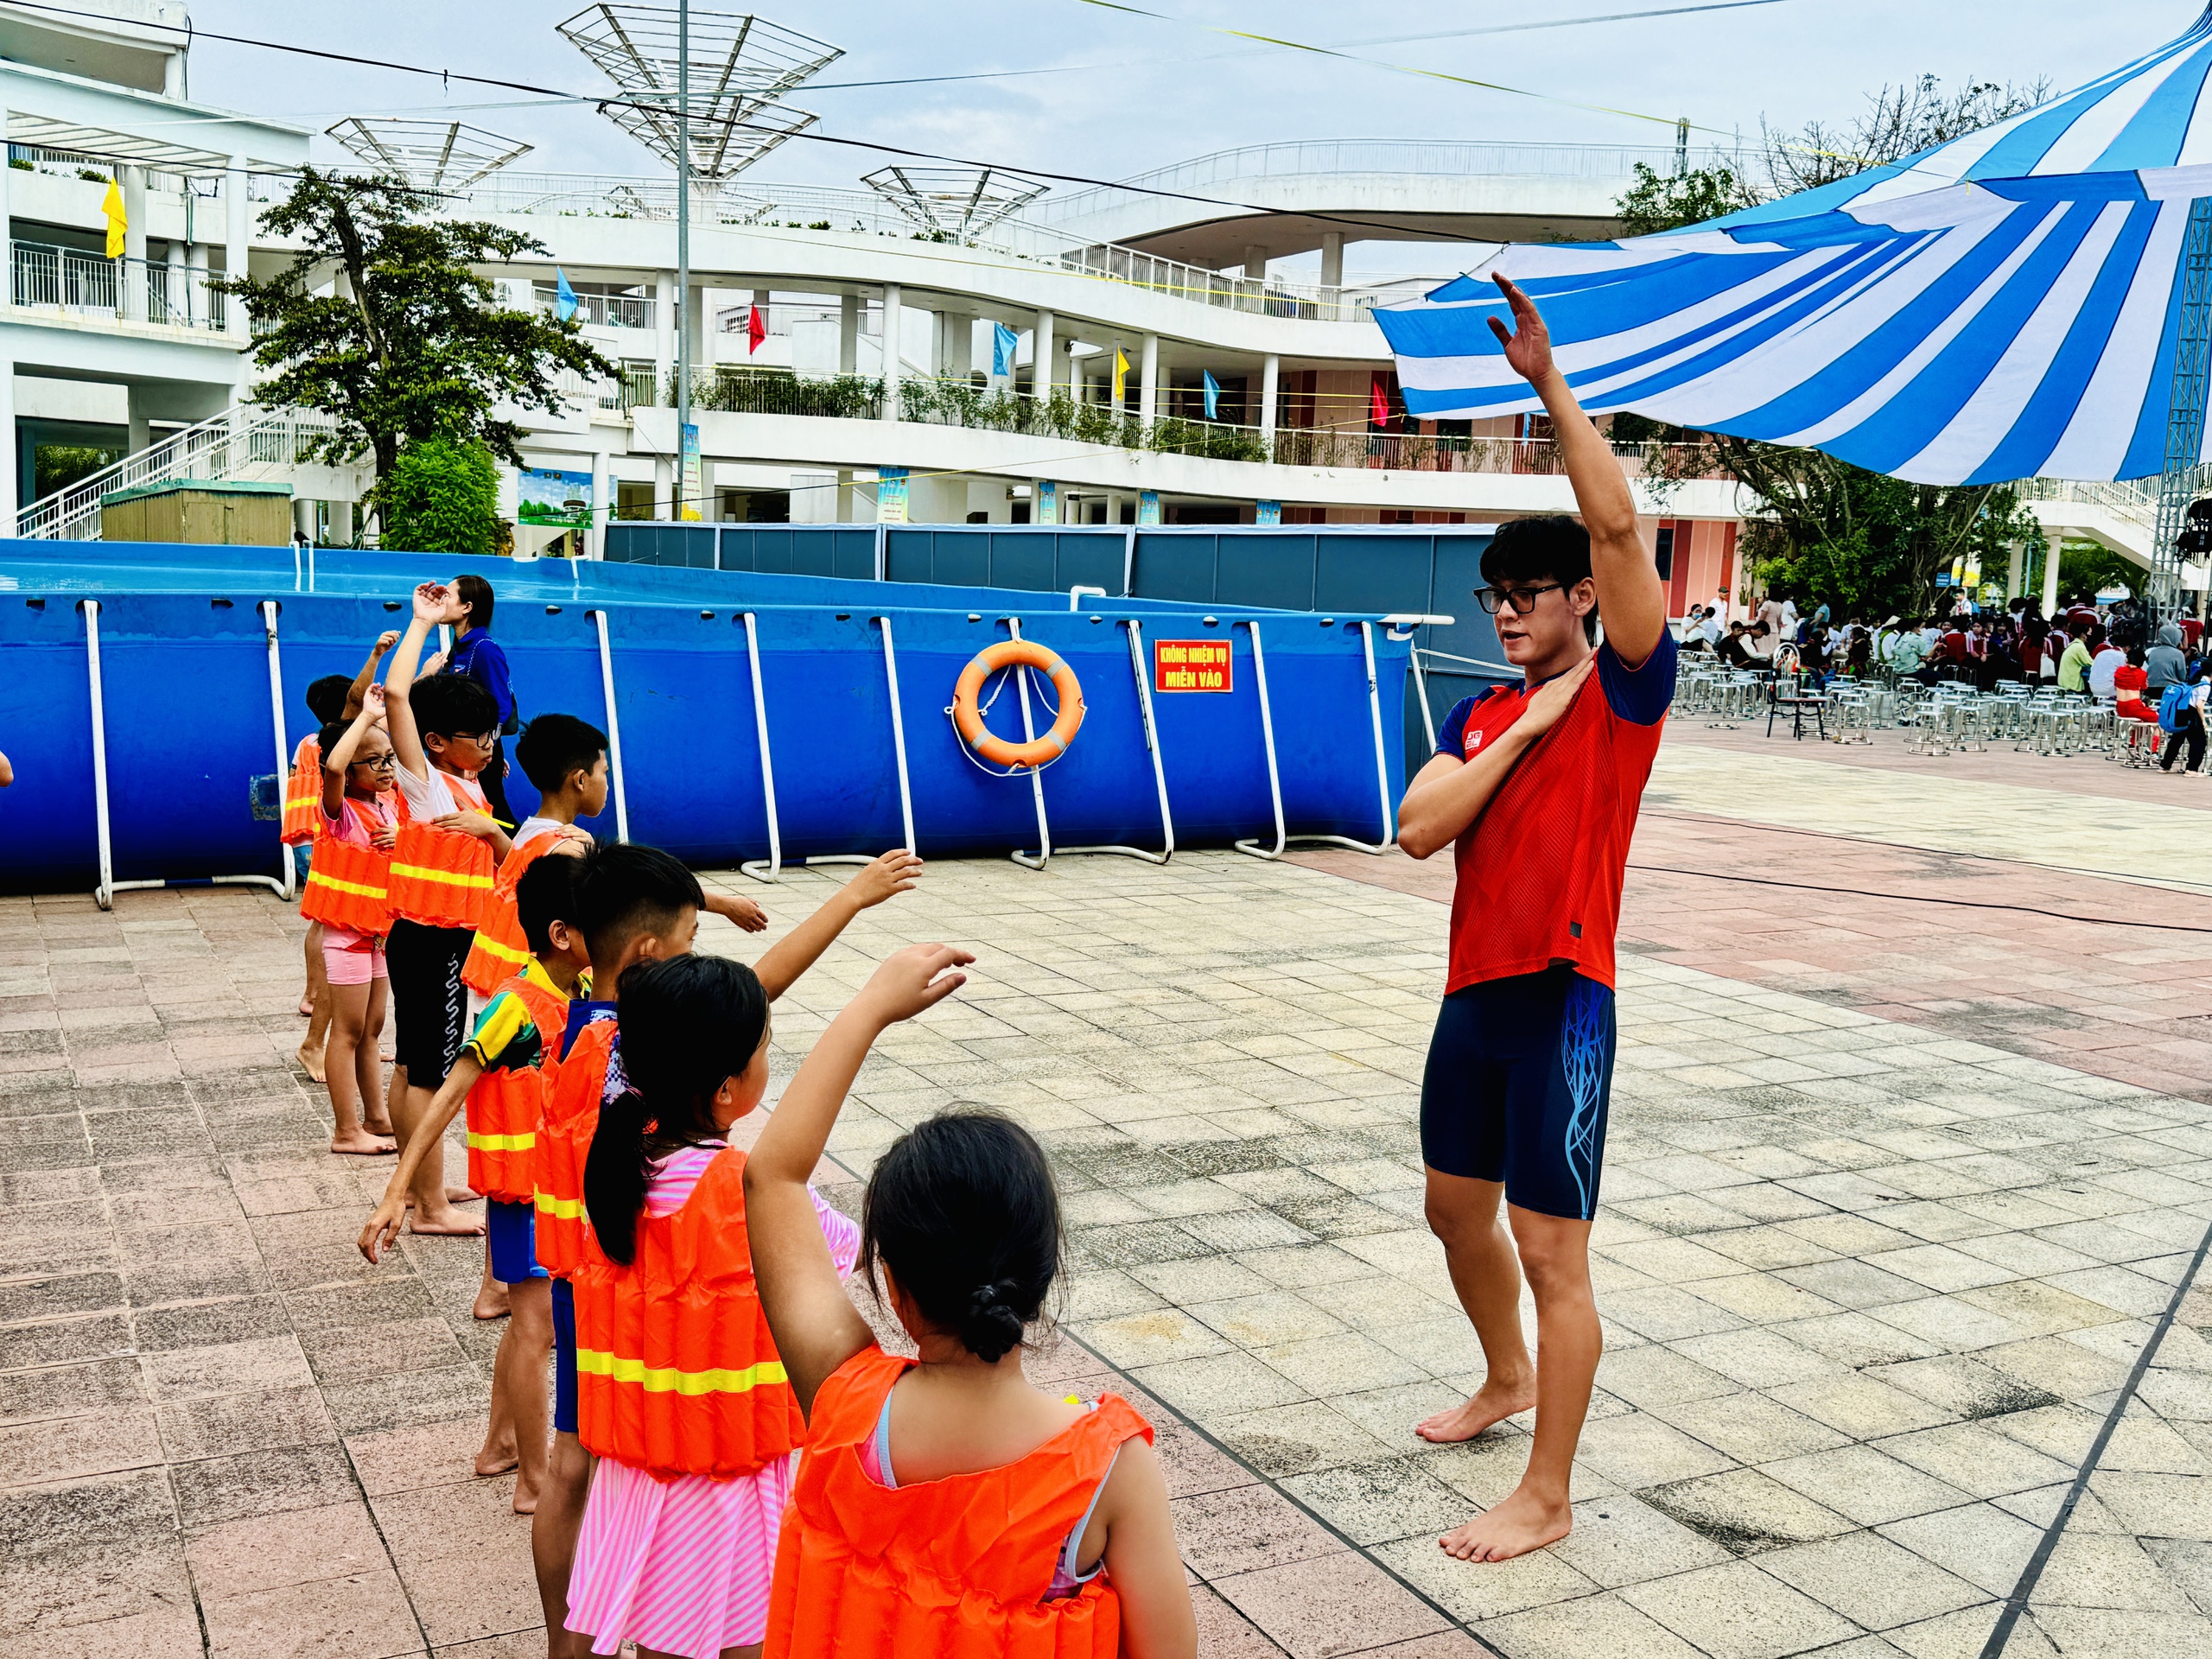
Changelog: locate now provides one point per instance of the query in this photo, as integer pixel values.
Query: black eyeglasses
(378, 763)
(1523, 599)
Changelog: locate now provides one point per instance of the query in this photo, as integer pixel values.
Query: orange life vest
(505, 1106)
(303, 795)
(564, 1132)
(956, 1568)
(500, 948)
(441, 878)
(347, 884)
(676, 1371)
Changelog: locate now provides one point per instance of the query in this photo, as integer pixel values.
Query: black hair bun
(992, 1328)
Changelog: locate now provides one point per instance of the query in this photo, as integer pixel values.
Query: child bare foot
(307, 1005)
(1522, 1523)
(311, 1058)
(446, 1222)
(497, 1460)
(525, 1498)
(365, 1143)
(491, 1302)
(378, 1123)
(1493, 1402)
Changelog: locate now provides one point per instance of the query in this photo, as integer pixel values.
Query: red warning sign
(1190, 665)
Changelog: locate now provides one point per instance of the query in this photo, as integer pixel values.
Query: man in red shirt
(1536, 787)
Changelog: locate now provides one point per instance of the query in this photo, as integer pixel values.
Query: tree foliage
(1827, 530)
(410, 342)
(442, 496)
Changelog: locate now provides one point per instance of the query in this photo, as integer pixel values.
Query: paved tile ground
(1872, 1284)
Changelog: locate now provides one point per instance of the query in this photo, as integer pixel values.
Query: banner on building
(545, 495)
(1147, 506)
(1213, 397)
(1044, 502)
(690, 489)
(1004, 343)
(1268, 512)
(890, 495)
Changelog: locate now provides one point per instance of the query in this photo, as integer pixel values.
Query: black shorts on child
(429, 1005)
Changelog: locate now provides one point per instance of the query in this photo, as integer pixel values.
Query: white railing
(597, 310)
(246, 442)
(48, 278)
(2136, 499)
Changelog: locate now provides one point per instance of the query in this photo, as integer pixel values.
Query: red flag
(756, 330)
(1379, 413)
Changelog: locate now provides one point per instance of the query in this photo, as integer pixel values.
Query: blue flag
(564, 297)
(1003, 342)
(1213, 397)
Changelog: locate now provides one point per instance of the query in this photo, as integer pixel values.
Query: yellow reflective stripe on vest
(500, 1142)
(317, 879)
(667, 1379)
(559, 1209)
(303, 800)
(451, 878)
(491, 947)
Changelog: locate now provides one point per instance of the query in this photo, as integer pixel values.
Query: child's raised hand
(894, 872)
(386, 640)
(372, 703)
(433, 666)
(746, 914)
(430, 602)
(383, 1225)
(912, 981)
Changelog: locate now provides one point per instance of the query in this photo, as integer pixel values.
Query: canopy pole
(2184, 474)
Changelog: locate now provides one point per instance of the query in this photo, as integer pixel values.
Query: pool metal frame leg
(898, 748)
(771, 869)
(1152, 743)
(613, 730)
(1044, 855)
(103, 894)
(1274, 776)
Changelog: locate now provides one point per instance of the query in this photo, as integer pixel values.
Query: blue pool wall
(188, 721)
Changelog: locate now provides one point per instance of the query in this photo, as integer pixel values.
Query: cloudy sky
(1126, 92)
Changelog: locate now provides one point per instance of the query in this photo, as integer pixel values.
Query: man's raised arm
(1631, 600)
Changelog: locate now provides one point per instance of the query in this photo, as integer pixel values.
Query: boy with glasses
(1536, 786)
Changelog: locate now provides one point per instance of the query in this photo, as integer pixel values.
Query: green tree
(1666, 201)
(411, 342)
(2086, 568)
(442, 496)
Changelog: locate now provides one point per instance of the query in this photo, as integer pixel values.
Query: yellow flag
(111, 205)
(1120, 363)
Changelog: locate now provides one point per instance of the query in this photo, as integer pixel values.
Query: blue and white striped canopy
(2004, 306)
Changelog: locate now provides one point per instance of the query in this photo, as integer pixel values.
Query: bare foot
(380, 1124)
(447, 1221)
(365, 1143)
(1522, 1523)
(526, 1498)
(497, 1460)
(492, 1304)
(307, 1005)
(312, 1059)
(462, 1195)
(1493, 1403)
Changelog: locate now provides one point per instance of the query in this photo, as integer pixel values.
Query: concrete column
(173, 75)
(1044, 356)
(955, 346)
(2050, 580)
(341, 523)
(844, 512)
(663, 487)
(179, 297)
(1332, 258)
(196, 297)
(1256, 260)
(1149, 392)
(891, 319)
(11, 462)
(2016, 573)
(695, 329)
(603, 505)
(302, 518)
(848, 336)
(237, 228)
(663, 331)
(1270, 376)
(131, 280)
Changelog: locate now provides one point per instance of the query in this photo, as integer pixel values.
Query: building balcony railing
(962, 403)
(597, 310)
(134, 290)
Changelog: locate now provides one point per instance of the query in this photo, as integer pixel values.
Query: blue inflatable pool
(148, 693)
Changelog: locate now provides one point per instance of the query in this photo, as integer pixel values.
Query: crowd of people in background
(2116, 654)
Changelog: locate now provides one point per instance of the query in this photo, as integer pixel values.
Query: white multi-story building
(960, 336)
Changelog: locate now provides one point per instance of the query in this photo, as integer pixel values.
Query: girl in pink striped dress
(681, 1565)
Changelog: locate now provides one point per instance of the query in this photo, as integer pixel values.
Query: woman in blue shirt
(476, 654)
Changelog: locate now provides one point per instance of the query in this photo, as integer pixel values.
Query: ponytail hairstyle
(962, 1211)
(689, 1024)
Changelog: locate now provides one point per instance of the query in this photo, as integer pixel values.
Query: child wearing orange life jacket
(636, 904)
(565, 759)
(680, 1532)
(944, 1505)
(333, 697)
(501, 1075)
(356, 825)
(442, 867)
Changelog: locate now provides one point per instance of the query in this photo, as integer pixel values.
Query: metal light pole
(682, 249)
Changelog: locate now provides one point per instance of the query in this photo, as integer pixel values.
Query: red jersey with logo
(1540, 871)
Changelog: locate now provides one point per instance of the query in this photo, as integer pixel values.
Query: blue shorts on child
(512, 1231)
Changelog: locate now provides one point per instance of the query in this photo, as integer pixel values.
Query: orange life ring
(968, 718)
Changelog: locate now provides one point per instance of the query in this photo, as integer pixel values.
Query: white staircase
(246, 443)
